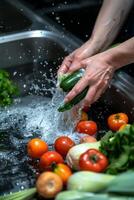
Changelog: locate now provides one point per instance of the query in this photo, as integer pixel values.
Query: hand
(72, 62)
(98, 73)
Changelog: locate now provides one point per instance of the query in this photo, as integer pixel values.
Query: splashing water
(40, 116)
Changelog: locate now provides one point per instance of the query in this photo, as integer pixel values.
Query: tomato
(63, 144)
(84, 116)
(48, 185)
(88, 139)
(93, 160)
(88, 127)
(115, 121)
(63, 171)
(36, 148)
(48, 158)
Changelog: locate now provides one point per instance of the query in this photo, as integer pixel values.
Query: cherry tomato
(93, 160)
(63, 144)
(88, 127)
(63, 171)
(48, 158)
(88, 139)
(115, 121)
(84, 116)
(36, 148)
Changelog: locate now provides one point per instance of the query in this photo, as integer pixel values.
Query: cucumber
(74, 101)
(69, 81)
(73, 195)
(87, 181)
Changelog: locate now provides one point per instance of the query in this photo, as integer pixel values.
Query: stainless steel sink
(33, 58)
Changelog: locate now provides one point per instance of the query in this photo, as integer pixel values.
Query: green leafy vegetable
(119, 149)
(7, 89)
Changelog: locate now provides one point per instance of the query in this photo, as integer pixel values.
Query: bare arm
(108, 23)
(99, 70)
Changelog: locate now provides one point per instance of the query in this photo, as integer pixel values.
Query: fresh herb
(119, 149)
(7, 89)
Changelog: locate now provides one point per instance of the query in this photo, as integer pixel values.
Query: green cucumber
(73, 102)
(69, 81)
(73, 195)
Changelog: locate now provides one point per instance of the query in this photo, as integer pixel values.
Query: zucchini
(87, 181)
(73, 195)
(74, 101)
(69, 81)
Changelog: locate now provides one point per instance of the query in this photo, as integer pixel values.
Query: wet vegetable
(75, 152)
(93, 160)
(74, 101)
(7, 89)
(119, 150)
(36, 148)
(63, 171)
(48, 158)
(49, 184)
(115, 121)
(87, 127)
(70, 80)
(89, 181)
(62, 145)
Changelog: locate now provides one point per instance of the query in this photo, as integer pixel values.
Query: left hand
(98, 73)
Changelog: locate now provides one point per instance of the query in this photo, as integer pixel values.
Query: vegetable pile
(7, 89)
(119, 150)
(87, 168)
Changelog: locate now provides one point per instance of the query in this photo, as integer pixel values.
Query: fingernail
(65, 100)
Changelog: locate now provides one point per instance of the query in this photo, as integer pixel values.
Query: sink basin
(32, 59)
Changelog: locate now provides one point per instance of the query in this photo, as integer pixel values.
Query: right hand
(72, 62)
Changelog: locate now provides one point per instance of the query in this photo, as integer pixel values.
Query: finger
(65, 64)
(79, 87)
(90, 96)
(75, 65)
(100, 92)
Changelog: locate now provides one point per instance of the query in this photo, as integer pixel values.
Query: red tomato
(115, 121)
(63, 144)
(48, 158)
(88, 127)
(63, 171)
(36, 148)
(93, 160)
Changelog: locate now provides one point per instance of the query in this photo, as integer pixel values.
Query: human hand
(98, 73)
(72, 62)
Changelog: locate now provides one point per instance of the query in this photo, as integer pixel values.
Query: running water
(30, 116)
(40, 116)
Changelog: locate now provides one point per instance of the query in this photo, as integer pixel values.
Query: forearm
(109, 21)
(121, 55)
